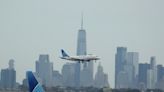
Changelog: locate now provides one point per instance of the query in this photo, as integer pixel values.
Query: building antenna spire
(82, 20)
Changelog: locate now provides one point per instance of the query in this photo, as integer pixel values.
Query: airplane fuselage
(86, 58)
(79, 58)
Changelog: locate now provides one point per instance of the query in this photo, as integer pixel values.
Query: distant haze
(32, 27)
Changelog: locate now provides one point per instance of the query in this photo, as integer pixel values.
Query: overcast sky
(32, 27)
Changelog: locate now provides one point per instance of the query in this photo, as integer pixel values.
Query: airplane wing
(34, 85)
(78, 59)
(75, 59)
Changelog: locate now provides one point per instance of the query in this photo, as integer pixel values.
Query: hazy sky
(32, 27)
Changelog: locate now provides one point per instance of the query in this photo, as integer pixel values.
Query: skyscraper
(126, 68)
(132, 59)
(57, 79)
(68, 74)
(81, 50)
(44, 69)
(160, 73)
(153, 72)
(101, 79)
(129, 71)
(122, 80)
(81, 42)
(8, 76)
(150, 79)
(142, 77)
(120, 60)
(84, 76)
(160, 77)
(11, 64)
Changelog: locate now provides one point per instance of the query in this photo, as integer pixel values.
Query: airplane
(80, 58)
(34, 85)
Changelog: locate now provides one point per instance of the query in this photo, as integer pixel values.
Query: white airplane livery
(80, 58)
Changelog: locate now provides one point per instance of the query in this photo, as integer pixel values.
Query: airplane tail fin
(64, 54)
(34, 86)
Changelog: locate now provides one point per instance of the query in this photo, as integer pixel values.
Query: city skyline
(25, 33)
(45, 58)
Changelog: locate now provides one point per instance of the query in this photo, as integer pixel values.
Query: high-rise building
(44, 69)
(86, 79)
(68, 73)
(8, 76)
(90, 73)
(129, 70)
(84, 76)
(160, 77)
(77, 73)
(101, 79)
(148, 74)
(133, 58)
(120, 60)
(11, 64)
(25, 82)
(131, 67)
(150, 79)
(126, 65)
(153, 68)
(142, 77)
(81, 42)
(81, 50)
(160, 84)
(122, 80)
(57, 79)
(160, 73)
